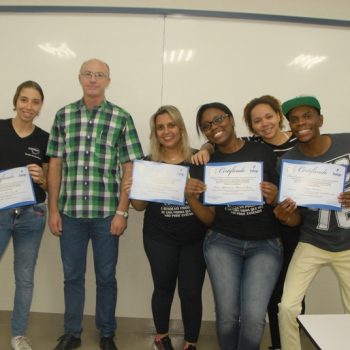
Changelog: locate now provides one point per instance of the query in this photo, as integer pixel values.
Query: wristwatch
(124, 214)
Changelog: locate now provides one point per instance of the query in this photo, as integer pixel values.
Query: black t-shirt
(248, 222)
(171, 223)
(16, 151)
(279, 150)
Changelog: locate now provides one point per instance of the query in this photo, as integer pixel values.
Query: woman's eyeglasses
(216, 121)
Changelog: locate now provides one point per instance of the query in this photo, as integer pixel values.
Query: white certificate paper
(16, 188)
(159, 182)
(233, 183)
(311, 184)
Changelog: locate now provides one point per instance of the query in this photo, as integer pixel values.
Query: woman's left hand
(37, 174)
(194, 188)
(202, 157)
(269, 191)
(344, 199)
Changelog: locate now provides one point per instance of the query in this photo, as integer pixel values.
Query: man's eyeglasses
(97, 75)
(216, 121)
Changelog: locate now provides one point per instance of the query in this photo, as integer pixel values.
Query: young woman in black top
(242, 249)
(173, 236)
(23, 144)
(264, 119)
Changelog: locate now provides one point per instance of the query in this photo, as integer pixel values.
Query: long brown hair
(27, 84)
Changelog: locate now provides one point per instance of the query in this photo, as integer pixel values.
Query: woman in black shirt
(173, 236)
(264, 119)
(23, 144)
(242, 249)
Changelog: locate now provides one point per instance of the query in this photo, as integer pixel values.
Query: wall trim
(173, 12)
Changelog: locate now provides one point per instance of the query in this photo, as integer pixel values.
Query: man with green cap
(325, 234)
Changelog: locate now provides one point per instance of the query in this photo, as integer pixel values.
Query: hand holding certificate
(311, 184)
(159, 182)
(16, 188)
(233, 183)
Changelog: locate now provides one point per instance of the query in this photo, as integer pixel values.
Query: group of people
(259, 258)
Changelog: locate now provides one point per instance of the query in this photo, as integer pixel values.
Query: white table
(327, 332)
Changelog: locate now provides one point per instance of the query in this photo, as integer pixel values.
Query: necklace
(286, 136)
(173, 159)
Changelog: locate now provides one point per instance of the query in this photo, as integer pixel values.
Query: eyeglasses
(216, 121)
(97, 75)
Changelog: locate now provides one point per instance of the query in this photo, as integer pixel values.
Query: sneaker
(163, 343)
(20, 343)
(67, 342)
(107, 343)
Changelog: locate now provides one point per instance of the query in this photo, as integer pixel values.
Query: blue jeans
(74, 244)
(243, 275)
(26, 226)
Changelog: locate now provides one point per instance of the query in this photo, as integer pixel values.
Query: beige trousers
(305, 264)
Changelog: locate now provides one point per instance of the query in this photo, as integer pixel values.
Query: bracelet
(122, 213)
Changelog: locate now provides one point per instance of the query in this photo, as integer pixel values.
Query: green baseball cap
(300, 101)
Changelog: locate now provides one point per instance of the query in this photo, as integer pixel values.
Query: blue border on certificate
(25, 203)
(312, 205)
(261, 202)
(19, 204)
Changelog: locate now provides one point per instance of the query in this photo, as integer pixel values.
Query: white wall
(234, 61)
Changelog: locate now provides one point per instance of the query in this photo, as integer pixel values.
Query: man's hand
(55, 223)
(118, 225)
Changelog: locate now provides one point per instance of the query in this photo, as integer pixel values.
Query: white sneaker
(20, 343)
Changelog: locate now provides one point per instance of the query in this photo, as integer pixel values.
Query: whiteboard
(235, 61)
(156, 59)
(50, 48)
(185, 61)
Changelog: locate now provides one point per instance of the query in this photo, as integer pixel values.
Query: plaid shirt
(92, 144)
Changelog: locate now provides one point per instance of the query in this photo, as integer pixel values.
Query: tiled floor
(133, 334)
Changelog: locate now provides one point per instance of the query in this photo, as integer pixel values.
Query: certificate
(16, 188)
(311, 184)
(233, 183)
(159, 182)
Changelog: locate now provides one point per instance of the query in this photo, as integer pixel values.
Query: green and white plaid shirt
(92, 144)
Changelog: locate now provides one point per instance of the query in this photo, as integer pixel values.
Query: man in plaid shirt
(92, 144)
